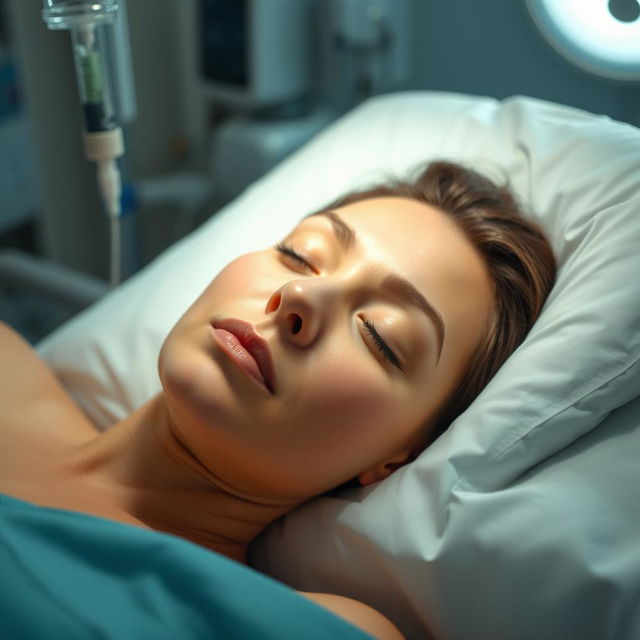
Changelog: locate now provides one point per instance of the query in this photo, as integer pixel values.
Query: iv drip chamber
(69, 14)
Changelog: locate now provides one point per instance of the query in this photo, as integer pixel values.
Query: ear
(385, 469)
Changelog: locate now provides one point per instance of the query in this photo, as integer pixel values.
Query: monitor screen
(224, 38)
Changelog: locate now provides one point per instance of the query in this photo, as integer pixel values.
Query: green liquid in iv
(98, 116)
(92, 77)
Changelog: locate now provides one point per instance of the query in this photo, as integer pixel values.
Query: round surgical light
(601, 36)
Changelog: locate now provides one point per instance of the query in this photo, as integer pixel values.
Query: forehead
(414, 237)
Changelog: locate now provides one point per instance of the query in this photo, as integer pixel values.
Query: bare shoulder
(21, 369)
(357, 613)
(29, 391)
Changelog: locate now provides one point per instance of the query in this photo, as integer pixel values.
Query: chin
(188, 376)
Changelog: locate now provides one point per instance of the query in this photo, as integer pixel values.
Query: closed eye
(290, 252)
(302, 263)
(381, 345)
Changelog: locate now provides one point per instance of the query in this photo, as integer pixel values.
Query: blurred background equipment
(255, 61)
(255, 54)
(257, 65)
(373, 40)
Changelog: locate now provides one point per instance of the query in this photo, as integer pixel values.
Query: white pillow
(485, 534)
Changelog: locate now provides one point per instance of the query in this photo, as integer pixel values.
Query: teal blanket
(69, 575)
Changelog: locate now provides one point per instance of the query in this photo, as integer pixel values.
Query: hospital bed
(523, 519)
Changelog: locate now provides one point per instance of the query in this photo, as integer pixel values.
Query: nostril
(296, 323)
(273, 303)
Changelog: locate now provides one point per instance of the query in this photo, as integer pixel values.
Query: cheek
(349, 394)
(237, 283)
(344, 402)
(247, 276)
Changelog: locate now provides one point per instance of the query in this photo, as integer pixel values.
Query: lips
(246, 348)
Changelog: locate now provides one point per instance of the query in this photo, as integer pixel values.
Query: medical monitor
(255, 53)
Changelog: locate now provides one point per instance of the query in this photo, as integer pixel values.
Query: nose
(301, 309)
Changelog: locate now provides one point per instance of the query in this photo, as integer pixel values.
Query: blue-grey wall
(491, 47)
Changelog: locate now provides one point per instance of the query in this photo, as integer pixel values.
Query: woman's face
(369, 315)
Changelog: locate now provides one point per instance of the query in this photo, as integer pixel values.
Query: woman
(335, 356)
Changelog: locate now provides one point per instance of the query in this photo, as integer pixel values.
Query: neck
(148, 477)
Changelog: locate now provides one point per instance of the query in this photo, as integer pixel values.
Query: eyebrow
(397, 286)
(344, 233)
(405, 291)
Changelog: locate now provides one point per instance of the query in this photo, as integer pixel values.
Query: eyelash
(380, 344)
(289, 251)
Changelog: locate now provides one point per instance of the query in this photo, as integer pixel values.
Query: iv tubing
(104, 148)
(115, 274)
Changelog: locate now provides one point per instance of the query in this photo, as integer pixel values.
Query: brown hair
(516, 252)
